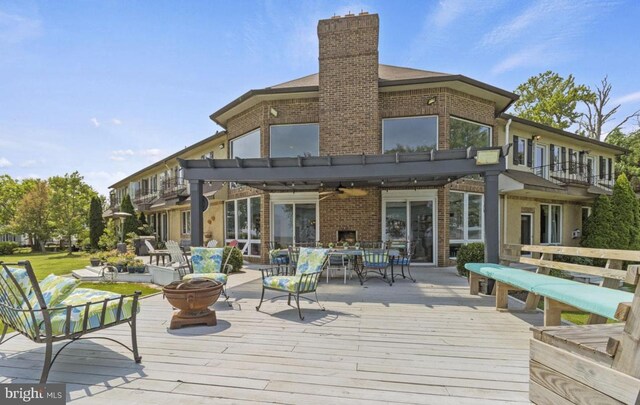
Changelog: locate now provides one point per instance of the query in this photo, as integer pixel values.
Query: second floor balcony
(173, 187)
(576, 174)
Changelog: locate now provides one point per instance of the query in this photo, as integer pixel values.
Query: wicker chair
(294, 282)
(54, 310)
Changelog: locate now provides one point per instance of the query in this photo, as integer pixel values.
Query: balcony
(144, 198)
(173, 187)
(573, 174)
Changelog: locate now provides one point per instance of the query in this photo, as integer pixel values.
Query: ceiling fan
(343, 193)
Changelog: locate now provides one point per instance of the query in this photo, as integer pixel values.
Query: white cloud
(4, 162)
(150, 152)
(28, 163)
(95, 122)
(518, 59)
(15, 28)
(116, 121)
(628, 98)
(116, 158)
(122, 152)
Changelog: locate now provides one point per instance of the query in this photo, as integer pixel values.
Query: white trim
(408, 196)
(408, 117)
(545, 155)
(289, 125)
(248, 240)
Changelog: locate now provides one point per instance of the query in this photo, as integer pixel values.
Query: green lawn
(46, 263)
(122, 288)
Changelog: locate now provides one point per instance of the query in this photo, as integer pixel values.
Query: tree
(625, 215)
(629, 163)
(11, 193)
(32, 215)
(70, 202)
(130, 223)
(597, 115)
(597, 232)
(550, 99)
(96, 223)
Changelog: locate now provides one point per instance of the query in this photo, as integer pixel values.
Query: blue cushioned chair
(374, 261)
(407, 251)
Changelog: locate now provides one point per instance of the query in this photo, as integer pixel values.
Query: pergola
(388, 171)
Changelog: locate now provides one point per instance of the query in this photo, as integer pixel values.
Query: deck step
(85, 275)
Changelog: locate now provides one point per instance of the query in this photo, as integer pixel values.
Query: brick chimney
(349, 85)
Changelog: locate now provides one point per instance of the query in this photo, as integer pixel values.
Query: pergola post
(195, 189)
(491, 213)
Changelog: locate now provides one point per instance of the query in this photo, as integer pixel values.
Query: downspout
(506, 139)
(504, 199)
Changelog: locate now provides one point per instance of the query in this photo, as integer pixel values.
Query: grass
(121, 288)
(46, 263)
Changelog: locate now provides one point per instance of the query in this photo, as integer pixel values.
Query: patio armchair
(294, 282)
(374, 261)
(275, 255)
(207, 263)
(54, 310)
(294, 252)
(179, 260)
(407, 251)
(157, 253)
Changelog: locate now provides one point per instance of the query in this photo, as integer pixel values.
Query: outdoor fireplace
(347, 236)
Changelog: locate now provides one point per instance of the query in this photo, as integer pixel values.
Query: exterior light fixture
(382, 183)
(273, 112)
(293, 184)
(431, 100)
(264, 184)
(221, 146)
(537, 137)
(351, 184)
(321, 184)
(415, 181)
(488, 157)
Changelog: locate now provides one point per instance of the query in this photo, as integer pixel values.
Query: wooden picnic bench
(589, 364)
(601, 302)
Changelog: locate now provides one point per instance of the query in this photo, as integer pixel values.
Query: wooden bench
(561, 294)
(588, 364)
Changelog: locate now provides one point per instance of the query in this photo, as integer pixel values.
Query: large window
(185, 222)
(295, 140)
(246, 146)
(463, 133)
(466, 220)
(550, 223)
(294, 223)
(411, 134)
(243, 224)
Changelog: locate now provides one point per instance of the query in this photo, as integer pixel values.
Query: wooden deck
(424, 343)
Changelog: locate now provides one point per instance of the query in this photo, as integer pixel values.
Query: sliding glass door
(411, 220)
(294, 223)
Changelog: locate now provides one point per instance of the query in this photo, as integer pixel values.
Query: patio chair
(407, 250)
(338, 262)
(179, 261)
(55, 310)
(294, 252)
(301, 280)
(153, 252)
(374, 261)
(275, 254)
(212, 243)
(207, 263)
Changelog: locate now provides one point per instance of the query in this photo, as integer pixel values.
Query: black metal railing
(173, 187)
(144, 195)
(573, 173)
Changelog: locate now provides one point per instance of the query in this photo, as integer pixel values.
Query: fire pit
(193, 298)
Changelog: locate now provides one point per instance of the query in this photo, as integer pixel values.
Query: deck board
(428, 342)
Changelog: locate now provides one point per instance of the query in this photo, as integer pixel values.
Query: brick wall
(362, 214)
(348, 85)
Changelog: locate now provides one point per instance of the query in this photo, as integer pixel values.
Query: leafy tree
(629, 163)
(130, 223)
(96, 222)
(550, 99)
(32, 215)
(597, 232)
(70, 202)
(597, 115)
(11, 192)
(625, 215)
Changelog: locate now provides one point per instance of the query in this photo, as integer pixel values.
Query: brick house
(356, 106)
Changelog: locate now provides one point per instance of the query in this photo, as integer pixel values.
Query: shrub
(236, 257)
(96, 223)
(470, 253)
(7, 248)
(625, 212)
(597, 232)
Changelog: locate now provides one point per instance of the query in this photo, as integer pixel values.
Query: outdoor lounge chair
(207, 263)
(295, 282)
(54, 310)
(179, 260)
(153, 252)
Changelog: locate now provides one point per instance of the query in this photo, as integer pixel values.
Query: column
(195, 189)
(491, 223)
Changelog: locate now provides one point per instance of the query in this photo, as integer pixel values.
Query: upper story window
(522, 151)
(463, 133)
(246, 146)
(295, 140)
(410, 134)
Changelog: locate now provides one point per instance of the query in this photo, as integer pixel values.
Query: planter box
(162, 275)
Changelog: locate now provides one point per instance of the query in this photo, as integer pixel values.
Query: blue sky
(107, 87)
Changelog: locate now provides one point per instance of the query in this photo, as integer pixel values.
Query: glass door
(526, 229)
(411, 220)
(539, 161)
(294, 223)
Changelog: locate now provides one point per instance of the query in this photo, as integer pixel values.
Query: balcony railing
(570, 173)
(173, 187)
(144, 196)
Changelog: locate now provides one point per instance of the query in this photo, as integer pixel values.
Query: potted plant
(345, 245)
(95, 261)
(331, 245)
(135, 266)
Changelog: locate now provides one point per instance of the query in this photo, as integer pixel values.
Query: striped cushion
(9, 292)
(220, 277)
(54, 289)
